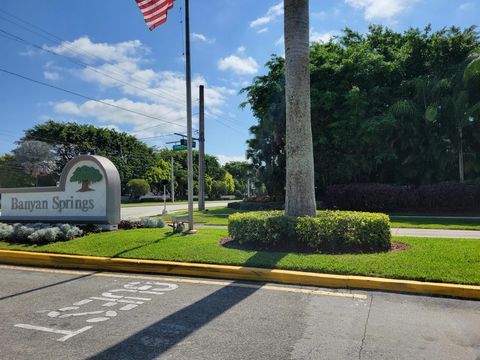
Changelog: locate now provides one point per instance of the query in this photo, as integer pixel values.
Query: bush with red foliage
(443, 197)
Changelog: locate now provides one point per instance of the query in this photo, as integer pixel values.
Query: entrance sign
(88, 192)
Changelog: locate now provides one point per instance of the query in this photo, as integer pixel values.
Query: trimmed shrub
(129, 225)
(144, 222)
(280, 229)
(137, 188)
(256, 206)
(38, 233)
(443, 197)
(331, 231)
(345, 230)
(250, 227)
(5, 231)
(152, 223)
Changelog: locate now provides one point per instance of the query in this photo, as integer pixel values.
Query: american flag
(154, 11)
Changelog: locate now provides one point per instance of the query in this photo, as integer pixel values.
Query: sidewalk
(437, 233)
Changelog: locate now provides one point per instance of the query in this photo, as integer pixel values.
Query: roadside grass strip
(219, 216)
(428, 259)
(213, 216)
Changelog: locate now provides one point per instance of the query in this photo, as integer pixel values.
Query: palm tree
(461, 100)
(300, 187)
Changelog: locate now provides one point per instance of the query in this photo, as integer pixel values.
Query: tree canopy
(36, 157)
(386, 107)
(12, 173)
(132, 157)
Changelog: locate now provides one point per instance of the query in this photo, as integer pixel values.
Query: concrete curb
(238, 273)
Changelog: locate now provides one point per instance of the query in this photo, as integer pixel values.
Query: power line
(152, 127)
(93, 147)
(87, 97)
(62, 42)
(17, 38)
(79, 63)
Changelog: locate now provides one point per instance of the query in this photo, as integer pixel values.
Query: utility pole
(201, 155)
(172, 180)
(189, 118)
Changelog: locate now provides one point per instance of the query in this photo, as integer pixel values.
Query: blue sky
(131, 67)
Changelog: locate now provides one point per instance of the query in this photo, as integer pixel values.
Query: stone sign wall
(88, 192)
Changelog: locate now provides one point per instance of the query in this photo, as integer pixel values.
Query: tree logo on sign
(86, 175)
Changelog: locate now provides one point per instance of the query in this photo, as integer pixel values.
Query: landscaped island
(440, 260)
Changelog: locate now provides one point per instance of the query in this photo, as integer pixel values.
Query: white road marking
(68, 333)
(109, 300)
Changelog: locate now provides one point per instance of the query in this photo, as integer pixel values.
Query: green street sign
(179, 147)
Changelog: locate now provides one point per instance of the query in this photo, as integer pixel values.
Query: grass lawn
(219, 216)
(212, 216)
(441, 260)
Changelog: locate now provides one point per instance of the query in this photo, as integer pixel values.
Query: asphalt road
(151, 210)
(49, 314)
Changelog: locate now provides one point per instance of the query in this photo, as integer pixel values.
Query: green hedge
(331, 231)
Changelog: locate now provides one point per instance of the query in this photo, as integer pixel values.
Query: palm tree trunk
(300, 187)
(461, 172)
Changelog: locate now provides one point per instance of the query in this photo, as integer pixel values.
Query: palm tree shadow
(158, 338)
(154, 340)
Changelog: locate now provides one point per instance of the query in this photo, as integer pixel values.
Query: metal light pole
(201, 154)
(165, 182)
(189, 118)
(172, 180)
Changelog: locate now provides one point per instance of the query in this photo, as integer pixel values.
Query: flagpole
(189, 118)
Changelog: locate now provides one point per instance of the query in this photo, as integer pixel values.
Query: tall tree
(12, 173)
(373, 96)
(132, 157)
(300, 187)
(36, 157)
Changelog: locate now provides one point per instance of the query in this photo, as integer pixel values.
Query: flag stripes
(154, 11)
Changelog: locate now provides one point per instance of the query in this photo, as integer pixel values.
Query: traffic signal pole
(201, 155)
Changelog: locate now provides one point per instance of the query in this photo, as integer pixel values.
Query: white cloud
(239, 65)
(223, 159)
(203, 38)
(89, 51)
(466, 6)
(322, 37)
(381, 9)
(241, 50)
(51, 75)
(262, 30)
(28, 52)
(280, 41)
(273, 13)
(319, 15)
(158, 94)
(117, 117)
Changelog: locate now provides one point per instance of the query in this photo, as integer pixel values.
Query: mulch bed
(230, 243)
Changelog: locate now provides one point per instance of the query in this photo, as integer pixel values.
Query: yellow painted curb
(238, 273)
